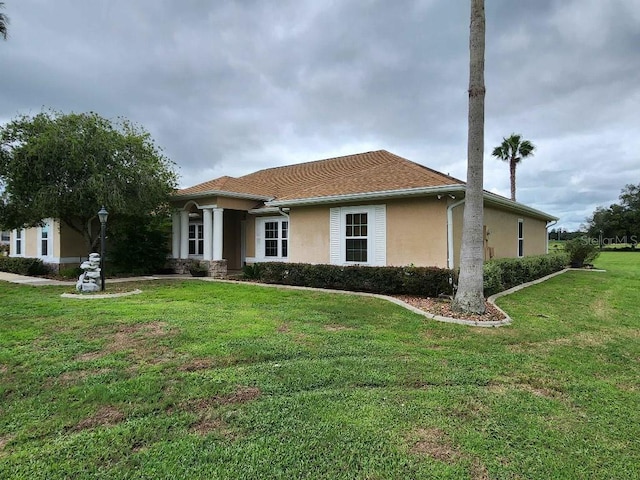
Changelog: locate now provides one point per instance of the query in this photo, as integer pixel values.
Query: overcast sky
(230, 87)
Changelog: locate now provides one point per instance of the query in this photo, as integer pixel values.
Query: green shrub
(422, 281)
(138, 244)
(23, 266)
(70, 272)
(505, 273)
(581, 251)
(251, 272)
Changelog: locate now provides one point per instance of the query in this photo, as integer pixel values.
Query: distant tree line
(564, 234)
(620, 222)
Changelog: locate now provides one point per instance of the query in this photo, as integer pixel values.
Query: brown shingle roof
(360, 173)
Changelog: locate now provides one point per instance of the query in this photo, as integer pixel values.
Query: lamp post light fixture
(102, 215)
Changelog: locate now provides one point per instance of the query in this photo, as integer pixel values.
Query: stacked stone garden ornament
(89, 280)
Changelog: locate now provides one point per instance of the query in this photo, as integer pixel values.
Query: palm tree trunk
(512, 174)
(469, 296)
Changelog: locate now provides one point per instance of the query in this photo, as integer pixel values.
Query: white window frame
(14, 242)
(198, 239)
(376, 234)
(48, 227)
(520, 236)
(261, 240)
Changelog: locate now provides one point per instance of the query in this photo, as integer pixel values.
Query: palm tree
(4, 21)
(470, 296)
(513, 149)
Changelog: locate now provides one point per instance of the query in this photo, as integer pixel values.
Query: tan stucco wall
(502, 227)
(250, 236)
(417, 232)
(72, 243)
(309, 233)
(31, 242)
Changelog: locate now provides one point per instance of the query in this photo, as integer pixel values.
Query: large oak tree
(66, 166)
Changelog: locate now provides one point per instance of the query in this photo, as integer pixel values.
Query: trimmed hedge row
(422, 281)
(505, 273)
(499, 275)
(23, 266)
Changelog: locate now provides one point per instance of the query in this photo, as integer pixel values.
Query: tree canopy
(512, 150)
(4, 21)
(66, 166)
(620, 222)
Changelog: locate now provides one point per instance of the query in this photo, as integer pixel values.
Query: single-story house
(372, 208)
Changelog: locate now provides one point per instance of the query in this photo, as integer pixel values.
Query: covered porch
(208, 233)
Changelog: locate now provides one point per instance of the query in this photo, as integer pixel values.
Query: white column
(217, 233)
(175, 234)
(184, 234)
(207, 226)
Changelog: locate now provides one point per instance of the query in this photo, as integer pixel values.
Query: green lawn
(203, 380)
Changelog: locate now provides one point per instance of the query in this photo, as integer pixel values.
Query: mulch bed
(442, 307)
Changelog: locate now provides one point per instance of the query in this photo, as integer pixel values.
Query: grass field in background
(205, 380)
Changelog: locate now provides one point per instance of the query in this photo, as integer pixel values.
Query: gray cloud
(229, 87)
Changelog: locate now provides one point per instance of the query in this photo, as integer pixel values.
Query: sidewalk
(38, 281)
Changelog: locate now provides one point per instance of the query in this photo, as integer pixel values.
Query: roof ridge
(424, 167)
(310, 162)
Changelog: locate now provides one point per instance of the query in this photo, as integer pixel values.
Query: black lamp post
(102, 215)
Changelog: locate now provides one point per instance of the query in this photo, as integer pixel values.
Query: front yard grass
(205, 380)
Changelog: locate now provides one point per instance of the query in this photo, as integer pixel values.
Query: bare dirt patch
(537, 389)
(434, 443)
(4, 441)
(68, 378)
(242, 394)
(442, 307)
(284, 328)
(196, 364)
(336, 328)
(139, 339)
(205, 426)
(107, 416)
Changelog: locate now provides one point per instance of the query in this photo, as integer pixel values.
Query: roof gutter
(505, 202)
(409, 192)
(356, 197)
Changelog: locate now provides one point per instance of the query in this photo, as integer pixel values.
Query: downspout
(546, 229)
(282, 212)
(450, 232)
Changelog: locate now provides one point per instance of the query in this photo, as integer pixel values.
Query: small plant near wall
(198, 269)
(581, 251)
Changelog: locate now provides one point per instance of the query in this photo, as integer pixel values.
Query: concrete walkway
(38, 281)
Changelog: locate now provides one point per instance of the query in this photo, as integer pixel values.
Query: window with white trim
(45, 240)
(520, 237)
(272, 238)
(18, 239)
(196, 239)
(358, 235)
